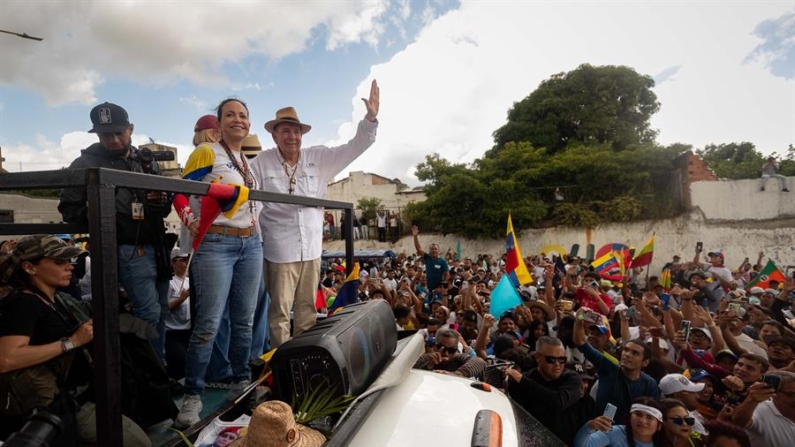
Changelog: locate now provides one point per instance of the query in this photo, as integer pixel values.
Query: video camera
(148, 156)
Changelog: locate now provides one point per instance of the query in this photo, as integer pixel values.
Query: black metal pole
(105, 293)
(347, 230)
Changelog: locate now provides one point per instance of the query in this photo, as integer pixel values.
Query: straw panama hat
(273, 425)
(286, 115)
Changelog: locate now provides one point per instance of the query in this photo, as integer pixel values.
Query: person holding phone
(768, 415)
(548, 391)
(626, 377)
(644, 428)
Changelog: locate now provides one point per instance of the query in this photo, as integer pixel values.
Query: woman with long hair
(644, 428)
(226, 269)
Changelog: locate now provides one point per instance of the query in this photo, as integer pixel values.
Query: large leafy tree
(589, 105)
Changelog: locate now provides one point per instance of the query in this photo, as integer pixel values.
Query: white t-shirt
(178, 318)
(769, 428)
(391, 284)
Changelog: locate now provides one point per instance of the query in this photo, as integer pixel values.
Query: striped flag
(349, 293)
(514, 264)
(646, 255)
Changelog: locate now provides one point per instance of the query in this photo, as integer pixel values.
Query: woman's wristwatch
(66, 344)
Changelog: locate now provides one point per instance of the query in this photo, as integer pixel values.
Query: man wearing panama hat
(292, 234)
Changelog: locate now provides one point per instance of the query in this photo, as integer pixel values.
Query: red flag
(219, 198)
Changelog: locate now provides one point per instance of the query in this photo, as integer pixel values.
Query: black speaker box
(346, 351)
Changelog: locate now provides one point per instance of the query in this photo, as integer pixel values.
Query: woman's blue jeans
(226, 270)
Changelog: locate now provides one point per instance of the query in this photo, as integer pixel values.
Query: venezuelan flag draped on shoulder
(514, 264)
(349, 293)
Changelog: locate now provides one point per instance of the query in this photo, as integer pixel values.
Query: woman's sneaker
(189, 413)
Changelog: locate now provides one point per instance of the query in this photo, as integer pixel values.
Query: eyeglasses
(551, 360)
(679, 420)
(452, 350)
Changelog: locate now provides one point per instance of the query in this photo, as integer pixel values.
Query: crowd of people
(697, 359)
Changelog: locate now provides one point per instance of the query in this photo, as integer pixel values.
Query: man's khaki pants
(291, 285)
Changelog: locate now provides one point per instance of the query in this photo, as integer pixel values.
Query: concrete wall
(742, 200)
(31, 209)
(673, 237)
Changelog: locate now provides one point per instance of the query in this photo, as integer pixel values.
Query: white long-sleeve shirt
(293, 233)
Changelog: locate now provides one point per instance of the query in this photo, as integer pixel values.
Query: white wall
(743, 200)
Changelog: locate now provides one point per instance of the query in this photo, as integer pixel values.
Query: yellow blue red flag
(514, 263)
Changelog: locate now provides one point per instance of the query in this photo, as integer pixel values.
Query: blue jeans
(148, 295)
(260, 342)
(227, 271)
(220, 368)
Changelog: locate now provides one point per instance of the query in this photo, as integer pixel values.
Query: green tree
(369, 206)
(591, 105)
(733, 161)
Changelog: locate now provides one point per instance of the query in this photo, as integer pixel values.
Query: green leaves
(590, 105)
(321, 402)
(369, 206)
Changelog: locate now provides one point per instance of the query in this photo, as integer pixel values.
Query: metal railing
(100, 185)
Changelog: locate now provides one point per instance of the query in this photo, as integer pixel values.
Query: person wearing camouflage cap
(40, 246)
(41, 326)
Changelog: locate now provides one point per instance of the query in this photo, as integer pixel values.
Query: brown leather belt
(230, 231)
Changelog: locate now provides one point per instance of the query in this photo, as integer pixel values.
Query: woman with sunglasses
(644, 428)
(678, 425)
(42, 334)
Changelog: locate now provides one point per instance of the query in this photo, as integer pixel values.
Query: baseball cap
(675, 383)
(704, 331)
(599, 327)
(757, 290)
(716, 253)
(206, 122)
(695, 374)
(773, 292)
(177, 253)
(726, 352)
(109, 118)
(779, 339)
(39, 246)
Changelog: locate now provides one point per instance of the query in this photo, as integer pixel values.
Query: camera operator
(143, 254)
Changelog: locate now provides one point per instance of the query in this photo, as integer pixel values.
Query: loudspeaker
(346, 351)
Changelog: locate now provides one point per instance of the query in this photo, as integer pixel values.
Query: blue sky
(448, 70)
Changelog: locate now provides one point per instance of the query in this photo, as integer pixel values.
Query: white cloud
(157, 42)
(450, 89)
(45, 155)
(200, 104)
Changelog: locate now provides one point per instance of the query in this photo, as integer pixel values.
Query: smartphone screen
(686, 329)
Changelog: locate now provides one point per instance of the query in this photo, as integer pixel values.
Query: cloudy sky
(448, 71)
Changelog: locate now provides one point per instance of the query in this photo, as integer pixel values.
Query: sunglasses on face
(683, 420)
(452, 350)
(551, 360)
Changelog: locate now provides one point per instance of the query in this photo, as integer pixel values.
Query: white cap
(675, 383)
(757, 290)
(704, 331)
